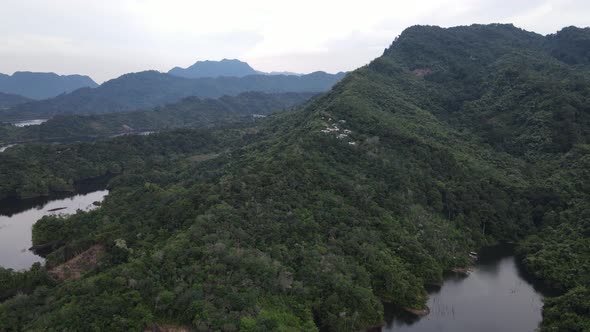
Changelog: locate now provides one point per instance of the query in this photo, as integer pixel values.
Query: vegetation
(570, 312)
(41, 169)
(150, 89)
(190, 112)
(8, 100)
(311, 219)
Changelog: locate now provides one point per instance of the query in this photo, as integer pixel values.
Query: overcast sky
(107, 38)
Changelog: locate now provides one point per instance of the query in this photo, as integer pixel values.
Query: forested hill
(571, 45)
(8, 100)
(149, 89)
(191, 112)
(311, 219)
(507, 86)
(42, 85)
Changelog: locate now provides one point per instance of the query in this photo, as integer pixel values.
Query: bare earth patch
(203, 157)
(95, 125)
(421, 72)
(166, 328)
(79, 264)
(418, 312)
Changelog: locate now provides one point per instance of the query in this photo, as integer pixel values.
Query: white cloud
(110, 37)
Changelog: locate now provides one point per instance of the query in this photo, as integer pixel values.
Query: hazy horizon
(107, 39)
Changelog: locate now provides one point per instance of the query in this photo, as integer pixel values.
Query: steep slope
(149, 89)
(225, 67)
(311, 219)
(8, 100)
(499, 84)
(43, 85)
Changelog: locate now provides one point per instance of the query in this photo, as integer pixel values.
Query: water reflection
(494, 297)
(3, 148)
(26, 123)
(18, 216)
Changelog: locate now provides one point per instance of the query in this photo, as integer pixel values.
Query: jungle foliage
(311, 219)
(191, 112)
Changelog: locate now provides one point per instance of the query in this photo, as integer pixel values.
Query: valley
(329, 204)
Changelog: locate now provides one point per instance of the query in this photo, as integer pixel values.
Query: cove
(17, 218)
(496, 296)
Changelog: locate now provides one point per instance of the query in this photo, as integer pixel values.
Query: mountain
(42, 85)
(8, 100)
(570, 45)
(225, 67)
(310, 220)
(191, 112)
(150, 88)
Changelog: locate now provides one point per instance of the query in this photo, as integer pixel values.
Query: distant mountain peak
(224, 67)
(42, 85)
(210, 68)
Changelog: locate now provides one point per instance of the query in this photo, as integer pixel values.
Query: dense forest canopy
(311, 219)
(8, 100)
(190, 112)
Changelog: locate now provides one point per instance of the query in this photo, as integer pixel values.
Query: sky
(107, 38)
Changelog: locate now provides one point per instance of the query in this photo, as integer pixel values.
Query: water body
(3, 148)
(26, 123)
(17, 218)
(496, 296)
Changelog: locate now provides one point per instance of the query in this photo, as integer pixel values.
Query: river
(496, 296)
(18, 216)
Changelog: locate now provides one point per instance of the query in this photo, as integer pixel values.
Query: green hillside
(311, 219)
(149, 89)
(191, 112)
(8, 100)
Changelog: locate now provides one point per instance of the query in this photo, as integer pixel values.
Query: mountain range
(42, 85)
(151, 88)
(312, 219)
(191, 112)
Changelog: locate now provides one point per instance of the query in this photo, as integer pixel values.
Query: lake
(28, 123)
(3, 148)
(18, 216)
(496, 296)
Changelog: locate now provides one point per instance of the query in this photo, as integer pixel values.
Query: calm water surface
(18, 216)
(3, 148)
(29, 123)
(495, 297)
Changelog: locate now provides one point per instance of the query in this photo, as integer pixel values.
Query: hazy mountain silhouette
(8, 100)
(150, 88)
(225, 67)
(42, 85)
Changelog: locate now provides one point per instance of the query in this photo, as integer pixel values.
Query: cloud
(111, 37)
